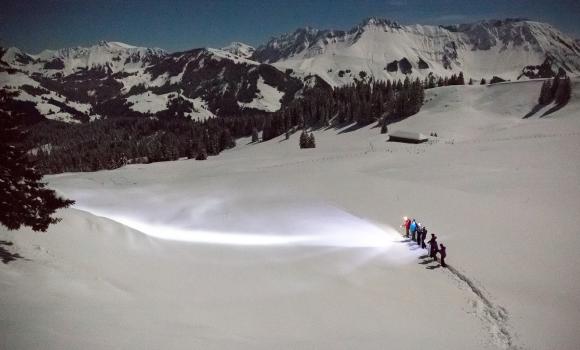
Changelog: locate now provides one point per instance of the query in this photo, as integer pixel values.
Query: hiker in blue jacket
(413, 229)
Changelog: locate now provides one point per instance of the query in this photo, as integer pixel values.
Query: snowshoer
(406, 224)
(413, 229)
(433, 247)
(419, 233)
(442, 254)
(423, 237)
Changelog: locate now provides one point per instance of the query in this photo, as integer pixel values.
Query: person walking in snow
(406, 224)
(442, 254)
(413, 229)
(423, 237)
(433, 247)
(419, 233)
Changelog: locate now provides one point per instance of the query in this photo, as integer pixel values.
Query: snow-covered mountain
(115, 79)
(240, 49)
(111, 79)
(386, 50)
(110, 56)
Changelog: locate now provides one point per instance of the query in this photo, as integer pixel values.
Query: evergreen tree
(255, 137)
(201, 152)
(304, 139)
(564, 91)
(460, 79)
(311, 141)
(555, 83)
(307, 140)
(384, 126)
(226, 140)
(545, 93)
(25, 201)
(483, 81)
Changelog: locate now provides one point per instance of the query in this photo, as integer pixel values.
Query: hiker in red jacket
(406, 224)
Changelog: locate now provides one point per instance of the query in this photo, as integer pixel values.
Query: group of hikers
(418, 233)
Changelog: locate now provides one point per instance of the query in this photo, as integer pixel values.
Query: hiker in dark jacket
(442, 254)
(423, 237)
(433, 247)
(419, 233)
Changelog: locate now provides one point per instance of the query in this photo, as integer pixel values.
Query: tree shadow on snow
(351, 128)
(552, 110)
(7, 256)
(538, 107)
(534, 110)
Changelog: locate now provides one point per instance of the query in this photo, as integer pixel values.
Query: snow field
(501, 192)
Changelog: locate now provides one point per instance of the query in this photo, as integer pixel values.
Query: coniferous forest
(113, 142)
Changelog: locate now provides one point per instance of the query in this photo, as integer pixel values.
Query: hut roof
(407, 136)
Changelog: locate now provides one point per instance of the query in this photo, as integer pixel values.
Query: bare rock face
(392, 66)
(422, 64)
(405, 66)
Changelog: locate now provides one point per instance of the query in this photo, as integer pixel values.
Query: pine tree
(255, 137)
(483, 81)
(304, 139)
(545, 93)
(384, 126)
(564, 91)
(460, 80)
(311, 141)
(25, 201)
(201, 151)
(307, 140)
(226, 140)
(555, 83)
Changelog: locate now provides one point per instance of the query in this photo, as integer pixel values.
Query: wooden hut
(407, 137)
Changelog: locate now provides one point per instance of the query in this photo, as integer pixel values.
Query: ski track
(494, 316)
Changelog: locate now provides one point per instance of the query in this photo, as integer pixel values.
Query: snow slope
(268, 98)
(269, 246)
(149, 102)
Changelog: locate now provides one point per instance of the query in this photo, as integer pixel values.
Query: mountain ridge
(112, 78)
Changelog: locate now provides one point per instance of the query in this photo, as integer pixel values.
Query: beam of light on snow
(310, 225)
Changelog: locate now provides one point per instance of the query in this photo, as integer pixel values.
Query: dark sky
(34, 25)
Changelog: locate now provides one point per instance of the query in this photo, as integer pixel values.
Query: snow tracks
(494, 316)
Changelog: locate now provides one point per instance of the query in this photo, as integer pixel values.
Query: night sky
(34, 25)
